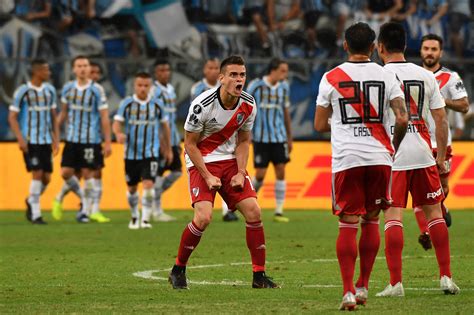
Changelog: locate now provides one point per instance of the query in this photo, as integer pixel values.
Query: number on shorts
(89, 154)
(154, 168)
(367, 87)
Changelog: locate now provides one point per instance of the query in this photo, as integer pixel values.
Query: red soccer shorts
(359, 190)
(449, 158)
(224, 170)
(423, 184)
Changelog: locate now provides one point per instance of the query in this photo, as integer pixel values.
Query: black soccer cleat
(28, 210)
(261, 281)
(177, 278)
(39, 221)
(230, 216)
(425, 241)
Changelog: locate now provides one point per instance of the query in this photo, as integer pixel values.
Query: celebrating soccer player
(137, 125)
(455, 97)
(217, 140)
(272, 140)
(33, 121)
(415, 170)
(357, 96)
(85, 106)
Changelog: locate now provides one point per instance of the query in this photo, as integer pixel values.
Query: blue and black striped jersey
(33, 105)
(201, 86)
(84, 104)
(168, 96)
(271, 101)
(141, 121)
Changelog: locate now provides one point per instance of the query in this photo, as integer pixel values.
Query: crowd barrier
(308, 180)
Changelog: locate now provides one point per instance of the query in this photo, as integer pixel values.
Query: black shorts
(175, 164)
(39, 158)
(79, 155)
(138, 170)
(264, 153)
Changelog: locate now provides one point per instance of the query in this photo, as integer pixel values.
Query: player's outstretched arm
(441, 133)
(401, 120)
(321, 118)
(190, 145)
(460, 105)
(15, 126)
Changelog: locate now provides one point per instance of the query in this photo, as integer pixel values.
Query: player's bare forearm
(441, 133)
(242, 150)
(401, 121)
(287, 119)
(54, 121)
(190, 145)
(165, 140)
(15, 126)
(62, 115)
(105, 122)
(460, 105)
(117, 127)
(321, 119)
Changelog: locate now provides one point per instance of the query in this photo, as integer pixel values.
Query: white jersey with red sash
(218, 127)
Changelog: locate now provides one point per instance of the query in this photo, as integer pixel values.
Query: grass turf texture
(67, 267)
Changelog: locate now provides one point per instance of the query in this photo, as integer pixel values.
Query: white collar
(34, 87)
(265, 80)
(141, 102)
(83, 87)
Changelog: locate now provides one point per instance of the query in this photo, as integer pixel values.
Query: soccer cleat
(361, 295)
(177, 278)
(448, 286)
(425, 241)
(28, 210)
(134, 224)
(57, 210)
(261, 281)
(280, 218)
(348, 302)
(395, 290)
(82, 217)
(39, 221)
(230, 216)
(447, 218)
(145, 225)
(163, 217)
(99, 217)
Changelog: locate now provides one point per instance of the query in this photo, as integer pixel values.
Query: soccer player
(85, 106)
(32, 119)
(216, 142)
(357, 97)
(163, 90)
(94, 213)
(415, 170)
(455, 97)
(272, 141)
(139, 122)
(210, 81)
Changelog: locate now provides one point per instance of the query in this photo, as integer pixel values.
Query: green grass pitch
(67, 267)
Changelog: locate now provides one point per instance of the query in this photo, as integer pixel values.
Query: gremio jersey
(141, 121)
(84, 104)
(271, 101)
(201, 86)
(359, 94)
(168, 97)
(218, 127)
(451, 88)
(421, 96)
(33, 105)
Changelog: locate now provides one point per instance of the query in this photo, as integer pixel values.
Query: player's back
(360, 95)
(421, 95)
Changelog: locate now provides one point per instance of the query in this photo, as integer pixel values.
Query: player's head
(359, 39)
(211, 70)
(392, 40)
(278, 69)
(142, 85)
(81, 67)
(96, 71)
(162, 71)
(431, 50)
(232, 75)
(40, 69)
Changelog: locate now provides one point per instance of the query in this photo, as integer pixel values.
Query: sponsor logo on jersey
(435, 194)
(193, 119)
(460, 86)
(197, 109)
(213, 121)
(240, 118)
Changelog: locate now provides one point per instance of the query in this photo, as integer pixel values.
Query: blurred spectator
(408, 9)
(254, 11)
(459, 16)
(379, 12)
(6, 6)
(37, 12)
(64, 12)
(345, 10)
(427, 19)
(280, 12)
(313, 10)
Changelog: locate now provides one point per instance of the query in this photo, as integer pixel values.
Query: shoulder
(21, 90)
(196, 86)
(49, 87)
(126, 101)
(248, 98)
(285, 85)
(255, 83)
(68, 85)
(97, 88)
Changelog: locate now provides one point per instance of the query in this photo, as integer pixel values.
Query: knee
(202, 219)
(46, 180)
(253, 213)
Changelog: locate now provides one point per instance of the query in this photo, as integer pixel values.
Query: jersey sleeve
(102, 103)
(324, 94)
(252, 90)
(248, 124)
(163, 116)
(286, 95)
(195, 119)
(394, 86)
(120, 115)
(17, 99)
(436, 100)
(64, 92)
(456, 87)
(53, 97)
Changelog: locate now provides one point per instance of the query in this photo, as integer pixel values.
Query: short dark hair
(231, 60)
(359, 37)
(393, 36)
(433, 37)
(77, 58)
(95, 64)
(143, 75)
(274, 64)
(160, 61)
(38, 62)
